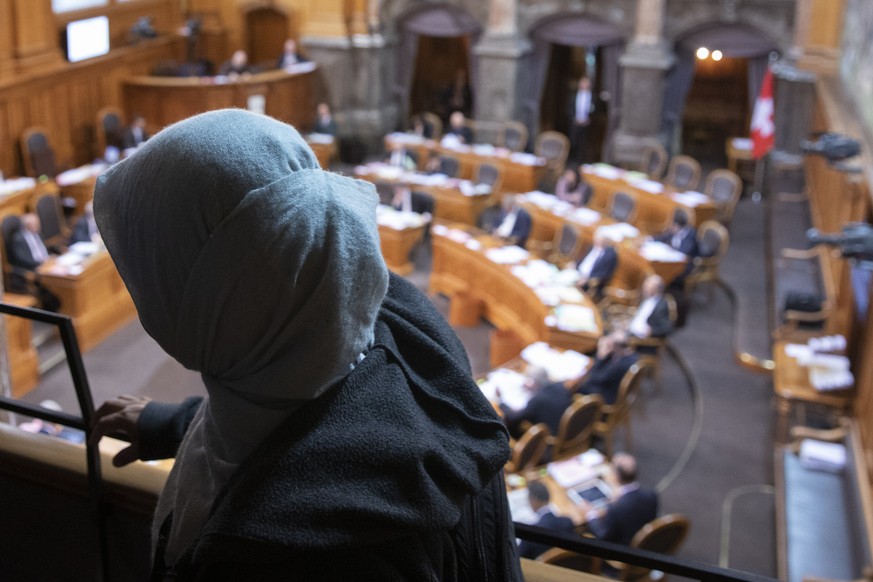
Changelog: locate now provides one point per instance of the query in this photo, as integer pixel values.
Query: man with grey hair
(547, 404)
(652, 317)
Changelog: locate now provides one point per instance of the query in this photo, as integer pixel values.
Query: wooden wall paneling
(7, 37)
(827, 19)
(37, 44)
(166, 15)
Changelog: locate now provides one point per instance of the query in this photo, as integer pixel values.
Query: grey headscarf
(249, 264)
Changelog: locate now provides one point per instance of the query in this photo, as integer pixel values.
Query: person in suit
(614, 357)
(514, 223)
(458, 130)
(134, 135)
(457, 96)
(85, 229)
(399, 157)
(26, 251)
(324, 121)
(571, 188)
(237, 65)
(420, 127)
(405, 200)
(652, 317)
(290, 56)
(681, 236)
(538, 497)
(547, 404)
(597, 266)
(633, 508)
(582, 105)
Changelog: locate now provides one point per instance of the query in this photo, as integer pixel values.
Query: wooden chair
(436, 124)
(684, 173)
(450, 166)
(619, 413)
(651, 357)
(490, 175)
(528, 451)
(724, 188)
(576, 427)
(110, 124)
(622, 207)
(570, 560)
(554, 147)
(53, 226)
(37, 153)
(512, 135)
(566, 246)
(654, 161)
(664, 535)
(713, 241)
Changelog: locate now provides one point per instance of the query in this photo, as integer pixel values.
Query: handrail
(637, 557)
(86, 405)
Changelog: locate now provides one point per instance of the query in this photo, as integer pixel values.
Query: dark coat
(129, 141)
(19, 254)
(551, 521)
(603, 269)
(687, 242)
(547, 405)
(606, 375)
(521, 228)
(659, 320)
(624, 518)
(464, 133)
(393, 474)
(80, 233)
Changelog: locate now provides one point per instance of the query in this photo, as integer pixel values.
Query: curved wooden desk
(654, 210)
(516, 175)
(632, 266)
(165, 100)
(508, 302)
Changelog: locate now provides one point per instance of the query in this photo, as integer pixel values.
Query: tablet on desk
(595, 493)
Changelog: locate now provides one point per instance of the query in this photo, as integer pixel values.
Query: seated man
(405, 200)
(652, 317)
(27, 251)
(626, 515)
(236, 66)
(324, 121)
(290, 56)
(85, 229)
(682, 237)
(614, 358)
(548, 402)
(538, 497)
(598, 266)
(514, 223)
(458, 130)
(400, 158)
(134, 135)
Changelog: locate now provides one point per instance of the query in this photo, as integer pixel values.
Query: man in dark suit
(324, 122)
(27, 252)
(652, 317)
(582, 105)
(626, 515)
(290, 56)
(85, 229)
(547, 404)
(682, 237)
(134, 135)
(458, 128)
(614, 358)
(597, 267)
(514, 223)
(538, 497)
(406, 200)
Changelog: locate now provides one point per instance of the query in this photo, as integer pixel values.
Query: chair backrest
(568, 241)
(622, 207)
(434, 122)
(37, 153)
(554, 147)
(512, 136)
(450, 166)
(570, 560)
(385, 191)
(489, 174)
(663, 535)
(724, 188)
(8, 227)
(628, 391)
(110, 124)
(529, 449)
(51, 217)
(712, 239)
(654, 160)
(577, 426)
(487, 219)
(684, 173)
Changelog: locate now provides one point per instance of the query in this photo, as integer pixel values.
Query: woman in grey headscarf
(342, 436)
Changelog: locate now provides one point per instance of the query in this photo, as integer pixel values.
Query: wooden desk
(792, 387)
(165, 100)
(632, 267)
(396, 245)
(738, 150)
(21, 197)
(450, 203)
(324, 151)
(654, 211)
(508, 302)
(96, 298)
(516, 176)
(23, 359)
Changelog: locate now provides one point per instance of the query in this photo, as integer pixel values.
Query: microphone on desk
(855, 242)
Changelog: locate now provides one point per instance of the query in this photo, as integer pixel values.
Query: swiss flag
(763, 130)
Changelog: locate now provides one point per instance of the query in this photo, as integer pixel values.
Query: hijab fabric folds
(249, 264)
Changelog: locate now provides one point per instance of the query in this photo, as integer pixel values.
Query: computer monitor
(86, 39)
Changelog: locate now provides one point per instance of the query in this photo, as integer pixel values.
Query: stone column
(644, 67)
(500, 59)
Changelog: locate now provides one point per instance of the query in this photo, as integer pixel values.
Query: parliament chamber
(747, 408)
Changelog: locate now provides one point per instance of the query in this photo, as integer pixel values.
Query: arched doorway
(568, 46)
(267, 27)
(710, 95)
(436, 43)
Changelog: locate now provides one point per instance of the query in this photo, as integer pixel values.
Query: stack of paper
(571, 472)
(585, 216)
(79, 174)
(690, 199)
(397, 220)
(650, 186)
(619, 231)
(574, 318)
(483, 149)
(829, 372)
(560, 365)
(526, 159)
(14, 185)
(828, 343)
(405, 138)
(604, 171)
(512, 388)
(822, 456)
(659, 252)
(507, 255)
